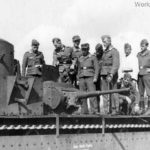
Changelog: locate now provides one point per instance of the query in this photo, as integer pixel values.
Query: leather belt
(85, 68)
(107, 64)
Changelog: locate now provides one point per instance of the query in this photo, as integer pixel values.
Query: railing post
(57, 125)
(103, 125)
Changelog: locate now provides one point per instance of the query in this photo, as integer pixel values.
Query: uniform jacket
(77, 53)
(99, 60)
(16, 69)
(63, 56)
(110, 61)
(31, 60)
(129, 63)
(144, 62)
(88, 66)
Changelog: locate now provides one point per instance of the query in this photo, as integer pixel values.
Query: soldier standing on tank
(33, 61)
(88, 71)
(75, 55)
(109, 72)
(144, 75)
(62, 58)
(99, 53)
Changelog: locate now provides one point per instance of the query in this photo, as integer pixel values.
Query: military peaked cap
(35, 42)
(85, 46)
(56, 39)
(127, 45)
(106, 36)
(76, 38)
(98, 47)
(144, 41)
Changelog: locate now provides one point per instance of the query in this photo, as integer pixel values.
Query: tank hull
(110, 141)
(75, 133)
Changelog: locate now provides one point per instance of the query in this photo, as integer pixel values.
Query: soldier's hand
(72, 67)
(94, 80)
(58, 55)
(77, 82)
(38, 66)
(109, 78)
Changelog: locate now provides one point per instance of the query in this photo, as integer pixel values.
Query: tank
(6, 58)
(36, 113)
(6, 68)
(65, 98)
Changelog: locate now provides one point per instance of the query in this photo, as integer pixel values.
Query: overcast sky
(22, 20)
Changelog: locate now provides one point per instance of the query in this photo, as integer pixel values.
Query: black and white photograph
(74, 75)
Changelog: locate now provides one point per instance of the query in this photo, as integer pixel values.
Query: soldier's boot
(148, 108)
(142, 108)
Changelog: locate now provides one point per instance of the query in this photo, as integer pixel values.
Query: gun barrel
(97, 93)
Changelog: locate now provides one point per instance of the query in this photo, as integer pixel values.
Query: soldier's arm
(115, 62)
(42, 58)
(24, 64)
(96, 67)
(78, 69)
(18, 68)
(55, 61)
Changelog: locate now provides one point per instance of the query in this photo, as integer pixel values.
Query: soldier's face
(85, 52)
(35, 48)
(143, 47)
(127, 51)
(106, 43)
(76, 43)
(57, 44)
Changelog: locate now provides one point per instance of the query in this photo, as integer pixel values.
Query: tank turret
(67, 99)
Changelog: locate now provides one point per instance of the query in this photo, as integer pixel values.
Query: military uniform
(63, 59)
(33, 61)
(16, 70)
(76, 53)
(73, 72)
(110, 66)
(144, 74)
(127, 99)
(88, 70)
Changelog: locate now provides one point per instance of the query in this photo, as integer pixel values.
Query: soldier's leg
(141, 88)
(60, 79)
(93, 101)
(83, 87)
(146, 79)
(114, 102)
(104, 87)
(98, 84)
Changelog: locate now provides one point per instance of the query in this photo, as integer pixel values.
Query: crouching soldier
(88, 71)
(33, 61)
(127, 100)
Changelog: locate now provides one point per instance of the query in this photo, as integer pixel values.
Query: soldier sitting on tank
(127, 100)
(62, 58)
(33, 61)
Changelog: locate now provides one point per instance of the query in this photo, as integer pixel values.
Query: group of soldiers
(98, 71)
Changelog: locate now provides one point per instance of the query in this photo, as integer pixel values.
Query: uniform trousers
(86, 84)
(109, 86)
(144, 84)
